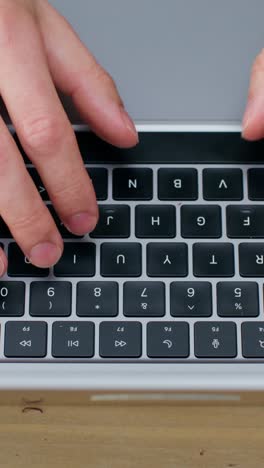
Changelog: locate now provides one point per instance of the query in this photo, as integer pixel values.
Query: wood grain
(125, 436)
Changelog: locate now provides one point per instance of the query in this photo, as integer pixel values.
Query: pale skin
(32, 68)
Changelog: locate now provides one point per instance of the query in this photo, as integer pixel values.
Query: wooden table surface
(118, 435)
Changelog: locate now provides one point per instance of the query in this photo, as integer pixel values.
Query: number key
(144, 298)
(237, 299)
(191, 299)
(50, 298)
(97, 299)
(12, 298)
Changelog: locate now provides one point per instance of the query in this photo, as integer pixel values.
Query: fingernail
(81, 223)
(249, 113)
(45, 254)
(129, 123)
(2, 267)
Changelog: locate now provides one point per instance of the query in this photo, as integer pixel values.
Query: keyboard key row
(125, 259)
(212, 340)
(173, 183)
(99, 177)
(140, 299)
(159, 221)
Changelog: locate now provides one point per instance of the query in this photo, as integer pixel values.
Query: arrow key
(25, 339)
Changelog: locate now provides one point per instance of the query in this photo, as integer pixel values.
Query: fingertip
(129, 125)
(253, 120)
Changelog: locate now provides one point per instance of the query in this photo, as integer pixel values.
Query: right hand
(40, 51)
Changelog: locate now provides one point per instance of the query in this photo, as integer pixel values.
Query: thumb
(253, 121)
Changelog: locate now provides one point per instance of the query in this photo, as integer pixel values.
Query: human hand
(253, 121)
(40, 51)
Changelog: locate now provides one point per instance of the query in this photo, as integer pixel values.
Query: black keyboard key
(38, 182)
(25, 339)
(65, 234)
(97, 299)
(12, 298)
(132, 184)
(144, 299)
(73, 339)
(99, 178)
(222, 184)
(237, 299)
(245, 221)
(4, 230)
(121, 259)
(168, 340)
(215, 340)
(50, 298)
(120, 339)
(167, 259)
(252, 339)
(255, 184)
(78, 259)
(190, 299)
(177, 184)
(19, 265)
(212, 259)
(114, 221)
(155, 221)
(201, 221)
(251, 259)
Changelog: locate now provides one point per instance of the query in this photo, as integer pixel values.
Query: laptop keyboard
(173, 271)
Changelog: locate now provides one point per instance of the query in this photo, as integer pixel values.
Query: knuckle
(43, 133)
(100, 74)
(68, 193)
(106, 78)
(35, 221)
(258, 64)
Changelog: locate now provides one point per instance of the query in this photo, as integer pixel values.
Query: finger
(3, 262)
(41, 123)
(76, 72)
(22, 209)
(253, 121)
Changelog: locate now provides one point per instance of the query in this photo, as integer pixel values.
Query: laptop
(165, 296)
